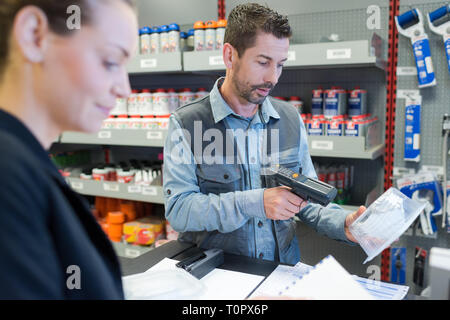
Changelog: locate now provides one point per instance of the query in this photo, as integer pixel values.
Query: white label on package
(291, 56)
(339, 53)
(111, 187)
(216, 60)
(148, 63)
(154, 135)
(77, 185)
(405, 94)
(104, 134)
(149, 191)
(134, 189)
(322, 145)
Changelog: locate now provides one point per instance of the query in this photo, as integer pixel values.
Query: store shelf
(343, 147)
(152, 194)
(155, 63)
(123, 137)
(359, 53)
(203, 61)
(334, 54)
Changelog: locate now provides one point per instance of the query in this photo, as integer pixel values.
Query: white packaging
(220, 35)
(164, 39)
(199, 38)
(145, 102)
(120, 107)
(173, 100)
(133, 104)
(174, 38)
(210, 36)
(145, 40)
(186, 96)
(384, 221)
(161, 105)
(201, 92)
(154, 40)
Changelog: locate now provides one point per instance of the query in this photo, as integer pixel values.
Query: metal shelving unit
(121, 137)
(342, 54)
(343, 147)
(152, 193)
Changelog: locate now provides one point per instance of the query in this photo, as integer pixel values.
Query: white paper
(383, 290)
(220, 284)
(328, 280)
(282, 276)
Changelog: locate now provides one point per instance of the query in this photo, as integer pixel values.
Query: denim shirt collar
(221, 109)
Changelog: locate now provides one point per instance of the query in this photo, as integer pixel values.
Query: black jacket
(46, 228)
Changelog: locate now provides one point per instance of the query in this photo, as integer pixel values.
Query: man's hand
(349, 220)
(281, 204)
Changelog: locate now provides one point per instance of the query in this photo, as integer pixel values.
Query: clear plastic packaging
(163, 285)
(385, 221)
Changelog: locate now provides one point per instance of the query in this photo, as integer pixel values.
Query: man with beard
(217, 147)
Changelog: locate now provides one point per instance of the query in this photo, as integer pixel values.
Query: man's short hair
(246, 20)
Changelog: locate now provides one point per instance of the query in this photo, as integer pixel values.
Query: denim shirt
(188, 209)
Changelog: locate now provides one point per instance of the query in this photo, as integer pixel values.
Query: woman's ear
(30, 33)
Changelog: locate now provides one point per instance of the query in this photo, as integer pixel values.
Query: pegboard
(435, 100)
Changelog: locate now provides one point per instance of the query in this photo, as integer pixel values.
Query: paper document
(219, 284)
(282, 276)
(383, 290)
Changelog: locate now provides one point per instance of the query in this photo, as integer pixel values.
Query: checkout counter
(180, 250)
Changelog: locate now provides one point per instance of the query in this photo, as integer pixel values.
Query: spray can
(145, 40)
(164, 39)
(199, 36)
(154, 40)
(357, 102)
(410, 25)
(210, 35)
(335, 102)
(183, 41)
(220, 33)
(190, 40)
(174, 37)
(317, 102)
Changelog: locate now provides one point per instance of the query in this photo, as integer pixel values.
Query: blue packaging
(424, 64)
(412, 130)
(447, 49)
(335, 102)
(357, 102)
(317, 102)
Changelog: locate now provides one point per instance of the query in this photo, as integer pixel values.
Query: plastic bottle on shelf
(144, 36)
(186, 96)
(120, 107)
(183, 41)
(220, 33)
(115, 225)
(133, 103)
(199, 36)
(155, 40)
(174, 37)
(164, 39)
(145, 102)
(210, 35)
(173, 100)
(201, 92)
(161, 103)
(297, 103)
(190, 40)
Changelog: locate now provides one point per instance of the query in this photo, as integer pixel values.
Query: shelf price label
(291, 56)
(345, 53)
(322, 145)
(132, 253)
(104, 135)
(111, 187)
(149, 191)
(134, 189)
(77, 185)
(149, 63)
(154, 135)
(216, 61)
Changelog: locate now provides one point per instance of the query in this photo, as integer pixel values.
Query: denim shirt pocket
(218, 178)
